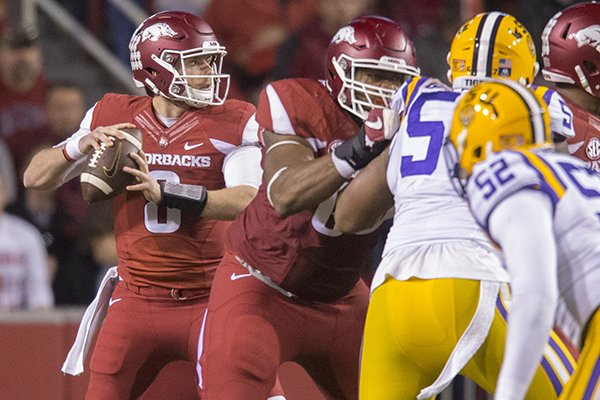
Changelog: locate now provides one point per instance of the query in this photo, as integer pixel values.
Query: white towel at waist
(470, 341)
(90, 324)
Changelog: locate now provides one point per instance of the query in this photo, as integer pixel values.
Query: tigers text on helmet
(571, 47)
(497, 115)
(368, 43)
(172, 49)
(492, 45)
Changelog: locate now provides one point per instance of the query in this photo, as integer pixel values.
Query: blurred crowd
(265, 40)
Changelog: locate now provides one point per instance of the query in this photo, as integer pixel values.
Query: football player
(542, 209)
(572, 61)
(169, 243)
(289, 285)
(436, 309)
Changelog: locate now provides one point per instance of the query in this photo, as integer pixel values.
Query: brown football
(103, 176)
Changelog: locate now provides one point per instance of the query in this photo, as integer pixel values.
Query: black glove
(372, 138)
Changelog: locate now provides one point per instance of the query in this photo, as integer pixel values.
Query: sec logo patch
(592, 150)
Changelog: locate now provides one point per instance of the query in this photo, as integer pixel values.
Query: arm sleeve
(242, 167)
(38, 288)
(522, 226)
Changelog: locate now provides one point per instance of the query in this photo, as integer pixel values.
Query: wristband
(342, 166)
(71, 149)
(190, 198)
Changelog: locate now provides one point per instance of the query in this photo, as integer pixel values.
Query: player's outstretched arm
(295, 179)
(366, 199)
(522, 224)
(51, 167)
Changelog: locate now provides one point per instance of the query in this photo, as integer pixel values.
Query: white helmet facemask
(364, 96)
(180, 89)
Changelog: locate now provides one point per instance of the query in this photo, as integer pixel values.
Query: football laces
(98, 154)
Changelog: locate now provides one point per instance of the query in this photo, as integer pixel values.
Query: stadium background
(84, 43)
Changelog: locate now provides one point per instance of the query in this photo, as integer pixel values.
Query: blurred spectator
(431, 25)
(22, 82)
(7, 173)
(251, 31)
(2, 15)
(77, 278)
(64, 107)
(302, 53)
(191, 6)
(24, 272)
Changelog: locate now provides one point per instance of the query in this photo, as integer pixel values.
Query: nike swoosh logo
(235, 276)
(574, 147)
(375, 125)
(110, 172)
(111, 301)
(188, 146)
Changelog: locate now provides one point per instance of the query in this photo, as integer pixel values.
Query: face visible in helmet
(176, 55)
(492, 45)
(367, 61)
(570, 47)
(493, 116)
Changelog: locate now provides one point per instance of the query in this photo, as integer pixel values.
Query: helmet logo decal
(346, 34)
(504, 67)
(592, 150)
(156, 31)
(459, 65)
(589, 36)
(134, 54)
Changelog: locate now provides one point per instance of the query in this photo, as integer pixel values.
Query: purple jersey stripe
(593, 382)
(562, 355)
(552, 376)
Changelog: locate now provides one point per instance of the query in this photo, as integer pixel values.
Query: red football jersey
(302, 253)
(166, 247)
(586, 143)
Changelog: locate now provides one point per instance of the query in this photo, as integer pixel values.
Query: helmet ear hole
(477, 152)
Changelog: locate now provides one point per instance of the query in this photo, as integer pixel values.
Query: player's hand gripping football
(76, 148)
(372, 138)
(147, 184)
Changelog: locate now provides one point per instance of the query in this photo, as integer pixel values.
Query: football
(103, 175)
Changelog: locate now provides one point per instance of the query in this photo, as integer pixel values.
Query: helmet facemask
(360, 97)
(180, 87)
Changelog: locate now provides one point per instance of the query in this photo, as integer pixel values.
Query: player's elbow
(33, 179)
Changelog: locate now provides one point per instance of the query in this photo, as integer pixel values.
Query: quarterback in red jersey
(571, 57)
(288, 287)
(170, 235)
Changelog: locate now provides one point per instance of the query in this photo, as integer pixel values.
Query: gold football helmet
(497, 115)
(493, 45)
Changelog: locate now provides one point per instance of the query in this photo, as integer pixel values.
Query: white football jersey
(427, 207)
(574, 191)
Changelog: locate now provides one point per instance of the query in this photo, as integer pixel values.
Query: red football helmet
(571, 47)
(367, 43)
(159, 48)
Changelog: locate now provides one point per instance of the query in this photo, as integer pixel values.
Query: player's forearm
(365, 200)
(303, 186)
(520, 224)
(226, 204)
(46, 169)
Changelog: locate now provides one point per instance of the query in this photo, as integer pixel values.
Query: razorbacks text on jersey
(156, 243)
(574, 191)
